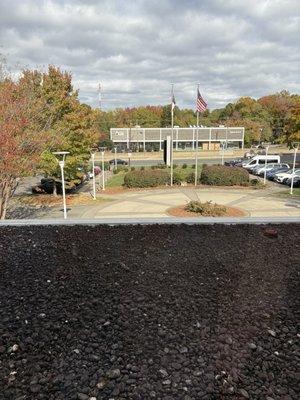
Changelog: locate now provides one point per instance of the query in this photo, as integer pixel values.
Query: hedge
(221, 175)
(146, 178)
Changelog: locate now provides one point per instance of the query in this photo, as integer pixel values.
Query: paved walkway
(154, 203)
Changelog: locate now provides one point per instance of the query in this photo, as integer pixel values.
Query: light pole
(197, 143)
(294, 163)
(103, 171)
(129, 156)
(222, 160)
(61, 163)
(265, 171)
(115, 158)
(93, 151)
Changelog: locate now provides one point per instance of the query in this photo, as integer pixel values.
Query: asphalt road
(286, 158)
(188, 161)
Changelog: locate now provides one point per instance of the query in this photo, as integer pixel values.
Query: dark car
(271, 174)
(47, 186)
(296, 182)
(237, 162)
(118, 161)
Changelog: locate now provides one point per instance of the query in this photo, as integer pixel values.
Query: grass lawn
(296, 192)
(286, 193)
(116, 180)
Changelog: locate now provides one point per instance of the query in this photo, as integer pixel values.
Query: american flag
(201, 103)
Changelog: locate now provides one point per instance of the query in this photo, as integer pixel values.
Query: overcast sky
(135, 49)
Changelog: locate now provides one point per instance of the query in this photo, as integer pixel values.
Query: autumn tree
(72, 124)
(20, 143)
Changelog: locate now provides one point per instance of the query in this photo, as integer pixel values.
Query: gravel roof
(155, 311)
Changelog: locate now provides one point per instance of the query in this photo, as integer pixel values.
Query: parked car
(47, 186)
(284, 176)
(261, 160)
(260, 170)
(296, 182)
(271, 174)
(237, 162)
(119, 162)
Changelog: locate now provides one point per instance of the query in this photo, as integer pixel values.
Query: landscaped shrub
(132, 169)
(222, 175)
(207, 209)
(161, 166)
(184, 166)
(256, 183)
(146, 178)
(191, 178)
(120, 169)
(178, 177)
(142, 168)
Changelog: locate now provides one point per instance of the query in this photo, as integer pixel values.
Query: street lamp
(103, 171)
(115, 158)
(223, 146)
(61, 161)
(129, 155)
(294, 163)
(93, 151)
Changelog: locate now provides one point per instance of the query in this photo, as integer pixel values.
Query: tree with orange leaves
(20, 143)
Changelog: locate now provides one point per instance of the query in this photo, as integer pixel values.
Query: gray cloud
(136, 48)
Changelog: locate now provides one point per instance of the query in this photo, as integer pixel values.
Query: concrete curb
(152, 221)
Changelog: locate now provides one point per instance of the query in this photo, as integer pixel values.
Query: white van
(261, 160)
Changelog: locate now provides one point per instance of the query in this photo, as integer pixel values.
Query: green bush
(175, 166)
(132, 169)
(178, 177)
(146, 178)
(142, 168)
(161, 166)
(256, 183)
(193, 166)
(120, 169)
(153, 166)
(220, 175)
(206, 209)
(184, 166)
(191, 177)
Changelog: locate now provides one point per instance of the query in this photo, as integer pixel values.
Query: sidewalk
(155, 203)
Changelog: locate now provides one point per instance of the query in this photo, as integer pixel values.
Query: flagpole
(197, 141)
(172, 128)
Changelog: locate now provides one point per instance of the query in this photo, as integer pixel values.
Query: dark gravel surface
(149, 312)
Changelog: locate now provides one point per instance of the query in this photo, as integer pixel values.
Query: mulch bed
(180, 211)
(123, 189)
(149, 312)
(49, 200)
